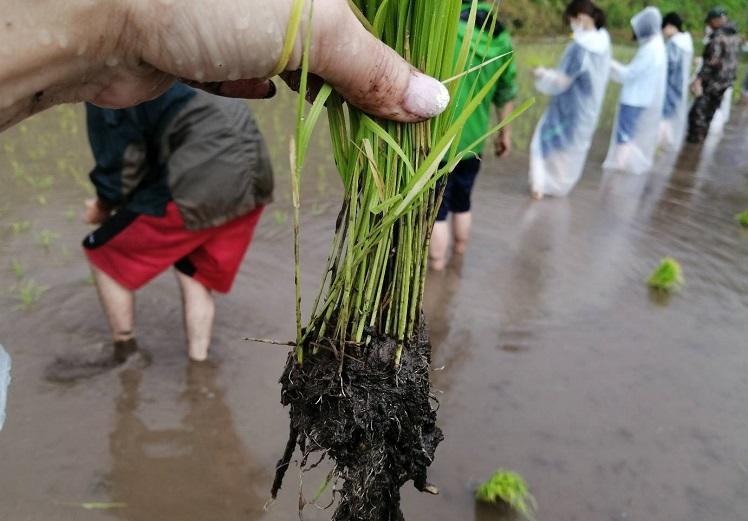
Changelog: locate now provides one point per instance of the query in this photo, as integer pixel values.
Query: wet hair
(673, 19)
(588, 7)
(483, 19)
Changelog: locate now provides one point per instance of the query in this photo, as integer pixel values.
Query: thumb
(371, 75)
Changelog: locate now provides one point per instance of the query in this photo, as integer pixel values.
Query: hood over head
(647, 23)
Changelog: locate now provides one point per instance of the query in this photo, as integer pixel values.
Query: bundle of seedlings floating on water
(667, 277)
(510, 489)
(357, 382)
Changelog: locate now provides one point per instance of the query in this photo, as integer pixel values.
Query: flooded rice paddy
(552, 357)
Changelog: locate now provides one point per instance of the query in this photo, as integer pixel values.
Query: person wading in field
(181, 182)
(719, 72)
(457, 195)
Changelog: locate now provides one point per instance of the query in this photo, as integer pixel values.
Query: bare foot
(537, 196)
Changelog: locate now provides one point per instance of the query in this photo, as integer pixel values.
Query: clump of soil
(375, 422)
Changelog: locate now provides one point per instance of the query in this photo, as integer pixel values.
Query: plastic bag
(4, 383)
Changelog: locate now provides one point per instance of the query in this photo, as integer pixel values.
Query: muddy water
(554, 359)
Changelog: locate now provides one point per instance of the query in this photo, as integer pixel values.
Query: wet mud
(375, 422)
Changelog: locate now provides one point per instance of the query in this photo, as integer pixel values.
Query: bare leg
(439, 246)
(461, 223)
(199, 312)
(119, 305)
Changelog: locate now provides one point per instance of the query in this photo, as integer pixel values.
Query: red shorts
(134, 248)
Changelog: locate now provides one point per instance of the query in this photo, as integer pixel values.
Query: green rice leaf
(382, 134)
(380, 19)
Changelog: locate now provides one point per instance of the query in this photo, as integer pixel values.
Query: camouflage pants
(701, 115)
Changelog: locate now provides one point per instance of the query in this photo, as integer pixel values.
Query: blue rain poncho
(563, 136)
(675, 113)
(634, 141)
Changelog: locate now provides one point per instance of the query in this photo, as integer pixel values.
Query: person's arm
(506, 92)
(552, 82)
(50, 50)
(119, 151)
(503, 142)
(640, 65)
(114, 182)
(713, 55)
(118, 53)
(621, 73)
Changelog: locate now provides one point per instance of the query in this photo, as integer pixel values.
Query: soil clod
(375, 422)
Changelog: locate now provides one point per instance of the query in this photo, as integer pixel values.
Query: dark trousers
(701, 115)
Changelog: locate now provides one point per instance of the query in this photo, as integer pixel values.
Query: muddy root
(376, 424)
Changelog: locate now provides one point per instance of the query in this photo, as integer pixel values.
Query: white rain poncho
(675, 114)
(634, 141)
(722, 116)
(4, 383)
(563, 136)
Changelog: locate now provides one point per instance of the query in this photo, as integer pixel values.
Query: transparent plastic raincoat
(634, 141)
(563, 136)
(4, 383)
(675, 114)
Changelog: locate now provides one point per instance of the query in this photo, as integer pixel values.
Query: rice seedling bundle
(668, 276)
(742, 219)
(508, 488)
(357, 382)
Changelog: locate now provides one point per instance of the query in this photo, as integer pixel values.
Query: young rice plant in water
(667, 277)
(509, 488)
(742, 219)
(358, 381)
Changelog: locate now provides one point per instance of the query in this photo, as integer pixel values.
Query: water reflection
(197, 470)
(544, 233)
(439, 309)
(485, 512)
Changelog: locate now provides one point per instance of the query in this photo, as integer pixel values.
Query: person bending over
(181, 182)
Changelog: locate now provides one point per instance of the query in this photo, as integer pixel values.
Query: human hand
(95, 212)
(118, 54)
(538, 72)
(697, 89)
(503, 144)
(233, 47)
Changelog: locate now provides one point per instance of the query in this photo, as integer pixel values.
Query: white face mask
(576, 26)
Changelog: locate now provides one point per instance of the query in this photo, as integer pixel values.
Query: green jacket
(485, 47)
